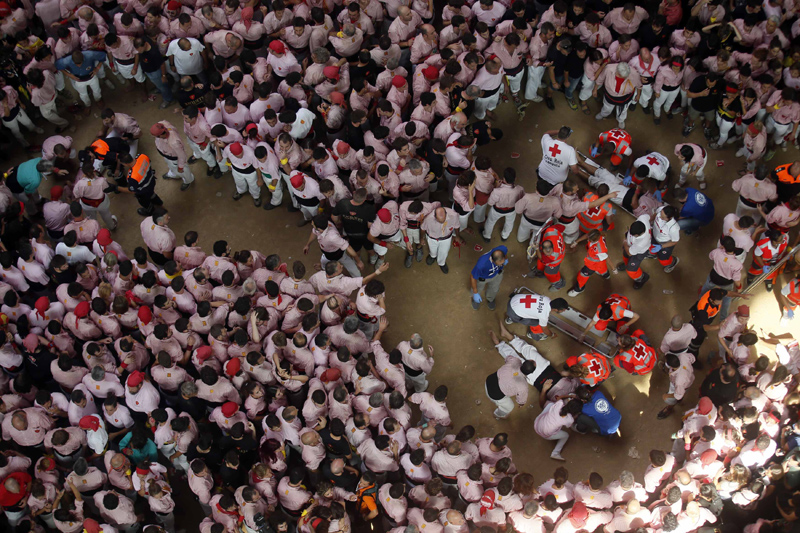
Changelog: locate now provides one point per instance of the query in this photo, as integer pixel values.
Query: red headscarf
(42, 305)
(247, 17)
(145, 314)
(81, 311)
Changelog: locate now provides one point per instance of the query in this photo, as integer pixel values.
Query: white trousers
(103, 209)
(493, 217)
(645, 95)
(381, 250)
(308, 211)
(60, 84)
(562, 437)
(725, 127)
(83, 88)
(172, 171)
(413, 235)
(587, 86)
(124, 71)
(608, 108)
(246, 183)
(479, 213)
(685, 174)
(50, 113)
(14, 126)
(515, 82)
(572, 231)
(482, 105)
(778, 131)
(742, 210)
(463, 220)
(206, 154)
(439, 249)
(526, 230)
(665, 99)
(534, 82)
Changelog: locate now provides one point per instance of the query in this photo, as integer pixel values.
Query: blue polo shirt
(90, 60)
(485, 268)
(602, 412)
(698, 206)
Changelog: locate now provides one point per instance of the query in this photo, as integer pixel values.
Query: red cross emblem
(595, 367)
(528, 301)
(554, 150)
(652, 160)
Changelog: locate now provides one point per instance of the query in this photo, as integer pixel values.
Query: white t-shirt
(531, 306)
(657, 163)
(76, 254)
(187, 62)
(614, 183)
(557, 157)
(665, 230)
(639, 245)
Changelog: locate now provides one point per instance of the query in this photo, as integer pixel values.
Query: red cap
(384, 215)
(173, 5)
(277, 46)
(398, 81)
(337, 97)
(89, 422)
(203, 353)
(431, 72)
(342, 147)
(229, 409)
(135, 379)
(42, 305)
(331, 374)
(752, 129)
(331, 72)
(579, 513)
(142, 471)
(90, 525)
(104, 237)
(297, 180)
(157, 129)
(743, 310)
(145, 314)
(233, 366)
(236, 149)
(251, 127)
(82, 309)
(5, 9)
(56, 192)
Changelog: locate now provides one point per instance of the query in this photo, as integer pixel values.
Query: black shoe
(217, 173)
(485, 239)
(269, 207)
(490, 304)
(632, 107)
(669, 116)
(192, 160)
(768, 285)
(291, 208)
(641, 281)
(445, 268)
(548, 101)
(210, 171)
(257, 202)
(429, 260)
(144, 212)
(185, 186)
(646, 110)
(656, 120)
(408, 261)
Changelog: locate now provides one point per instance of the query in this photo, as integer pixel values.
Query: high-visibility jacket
(554, 235)
(141, 177)
(787, 184)
(596, 255)
(794, 291)
(593, 218)
(639, 359)
(705, 304)
(619, 304)
(597, 364)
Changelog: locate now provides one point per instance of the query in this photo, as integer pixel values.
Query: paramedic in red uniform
(550, 255)
(594, 262)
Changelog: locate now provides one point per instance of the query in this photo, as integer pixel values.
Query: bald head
(455, 517)
(428, 433)
(441, 214)
(677, 322)
(19, 420)
(310, 439)
(403, 11)
(634, 507)
(337, 466)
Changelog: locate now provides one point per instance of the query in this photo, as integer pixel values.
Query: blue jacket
(485, 268)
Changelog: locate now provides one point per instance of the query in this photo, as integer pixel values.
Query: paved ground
(437, 306)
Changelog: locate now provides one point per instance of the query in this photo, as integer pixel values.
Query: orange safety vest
(794, 291)
(619, 304)
(554, 235)
(704, 304)
(783, 175)
(593, 218)
(599, 368)
(100, 148)
(140, 168)
(639, 360)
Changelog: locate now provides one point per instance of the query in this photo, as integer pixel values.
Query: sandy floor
(424, 300)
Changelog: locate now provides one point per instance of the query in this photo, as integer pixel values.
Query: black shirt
(559, 61)
(354, 135)
(493, 387)
(355, 217)
(718, 392)
(195, 407)
(367, 72)
(195, 96)
(151, 60)
(705, 103)
(38, 365)
(339, 448)
(346, 480)
(575, 65)
(650, 39)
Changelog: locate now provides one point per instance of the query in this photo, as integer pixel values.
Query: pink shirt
(158, 238)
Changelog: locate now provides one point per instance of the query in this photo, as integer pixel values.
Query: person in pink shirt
(189, 255)
(159, 239)
(170, 145)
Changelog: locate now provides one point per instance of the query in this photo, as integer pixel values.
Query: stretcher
(591, 162)
(572, 322)
(779, 266)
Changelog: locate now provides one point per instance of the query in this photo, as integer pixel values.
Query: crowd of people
(267, 387)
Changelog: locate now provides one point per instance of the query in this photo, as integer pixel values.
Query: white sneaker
(784, 146)
(498, 417)
(741, 152)
(556, 457)
(573, 293)
(621, 124)
(114, 218)
(598, 117)
(537, 99)
(508, 321)
(373, 259)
